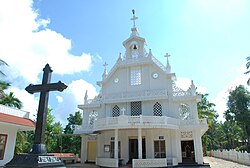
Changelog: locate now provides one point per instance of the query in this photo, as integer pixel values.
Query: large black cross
(44, 89)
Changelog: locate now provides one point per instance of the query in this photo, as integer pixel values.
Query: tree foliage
(52, 133)
(72, 144)
(206, 110)
(239, 113)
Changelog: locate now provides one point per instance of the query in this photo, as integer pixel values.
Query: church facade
(140, 116)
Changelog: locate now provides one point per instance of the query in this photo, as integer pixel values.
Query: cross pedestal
(38, 156)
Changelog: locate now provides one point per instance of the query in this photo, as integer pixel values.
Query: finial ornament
(105, 65)
(167, 56)
(134, 18)
(168, 67)
(105, 73)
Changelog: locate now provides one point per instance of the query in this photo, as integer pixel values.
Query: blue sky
(208, 41)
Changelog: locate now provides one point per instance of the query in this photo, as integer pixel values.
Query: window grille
(159, 149)
(112, 149)
(3, 141)
(135, 76)
(157, 109)
(136, 108)
(115, 111)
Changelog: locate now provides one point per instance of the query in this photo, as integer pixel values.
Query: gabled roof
(6, 118)
(143, 60)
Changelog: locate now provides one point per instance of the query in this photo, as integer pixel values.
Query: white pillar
(116, 144)
(83, 148)
(198, 147)
(139, 144)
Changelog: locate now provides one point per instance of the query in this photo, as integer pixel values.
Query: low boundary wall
(233, 155)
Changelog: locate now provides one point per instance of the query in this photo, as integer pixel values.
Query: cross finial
(105, 73)
(168, 67)
(167, 56)
(105, 65)
(134, 18)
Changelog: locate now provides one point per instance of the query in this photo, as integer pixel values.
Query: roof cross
(167, 56)
(134, 17)
(105, 65)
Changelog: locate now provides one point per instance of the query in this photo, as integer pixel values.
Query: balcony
(126, 122)
(136, 96)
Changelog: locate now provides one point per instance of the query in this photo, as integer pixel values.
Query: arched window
(157, 109)
(115, 111)
(184, 110)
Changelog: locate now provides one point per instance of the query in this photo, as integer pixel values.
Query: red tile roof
(16, 120)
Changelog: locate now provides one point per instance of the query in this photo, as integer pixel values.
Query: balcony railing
(124, 121)
(138, 95)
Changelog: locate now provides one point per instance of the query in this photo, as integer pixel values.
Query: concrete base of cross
(38, 157)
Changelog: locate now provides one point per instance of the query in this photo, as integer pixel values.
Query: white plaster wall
(11, 142)
(147, 81)
(151, 135)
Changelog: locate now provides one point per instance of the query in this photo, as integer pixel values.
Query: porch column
(139, 144)
(116, 144)
(83, 148)
(198, 147)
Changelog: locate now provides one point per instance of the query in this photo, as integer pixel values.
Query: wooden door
(91, 151)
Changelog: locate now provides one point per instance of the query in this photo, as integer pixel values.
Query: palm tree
(2, 62)
(247, 66)
(11, 101)
(206, 110)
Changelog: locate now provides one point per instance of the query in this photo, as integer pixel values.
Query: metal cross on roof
(134, 17)
(105, 65)
(167, 56)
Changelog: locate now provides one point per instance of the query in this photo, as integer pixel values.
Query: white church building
(140, 116)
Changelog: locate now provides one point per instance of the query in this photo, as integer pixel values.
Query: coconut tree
(2, 63)
(206, 110)
(247, 66)
(11, 101)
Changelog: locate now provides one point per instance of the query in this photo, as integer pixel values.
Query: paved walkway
(213, 162)
(219, 163)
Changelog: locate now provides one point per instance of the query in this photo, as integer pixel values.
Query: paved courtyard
(219, 163)
(214, 163)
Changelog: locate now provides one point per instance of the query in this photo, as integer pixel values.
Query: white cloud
(30, 103)
(73, 96)
(59, 99)
(27, 49)
(185, 83)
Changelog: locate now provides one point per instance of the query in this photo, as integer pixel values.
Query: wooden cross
(44, 90)
(134, 17)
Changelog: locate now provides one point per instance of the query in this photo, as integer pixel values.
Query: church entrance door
(187, 149)
(91, 151)
(133, 148)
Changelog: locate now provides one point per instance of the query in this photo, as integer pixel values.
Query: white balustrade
(161, 162)
(107, 162)
(125, 121)
(14, 112)
(142, 95)
(233, 155)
